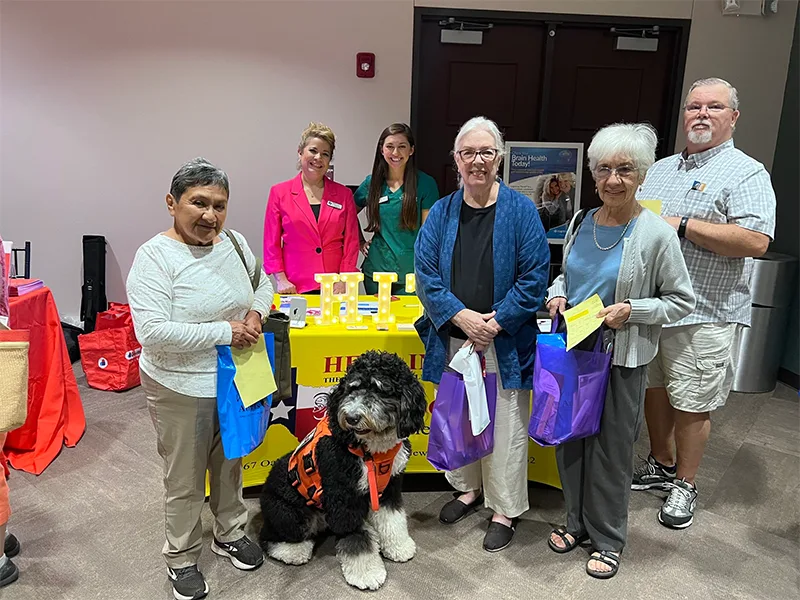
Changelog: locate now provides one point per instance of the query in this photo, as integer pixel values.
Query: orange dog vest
(306, 479)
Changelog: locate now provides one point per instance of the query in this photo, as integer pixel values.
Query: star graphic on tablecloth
(281, 411)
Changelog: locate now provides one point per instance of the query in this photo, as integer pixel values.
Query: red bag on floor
(110, 354)
(117, 316)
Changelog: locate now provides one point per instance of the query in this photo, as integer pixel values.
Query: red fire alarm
(365, 65)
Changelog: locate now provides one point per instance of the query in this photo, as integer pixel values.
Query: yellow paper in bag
(654, 205)
(254, 378)
(582, 320)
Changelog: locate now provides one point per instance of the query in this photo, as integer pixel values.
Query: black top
(315, 209)
(472, 276)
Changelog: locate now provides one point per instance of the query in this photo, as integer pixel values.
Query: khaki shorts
(696, 363)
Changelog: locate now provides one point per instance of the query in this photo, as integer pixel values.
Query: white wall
(753, 54)
(670, 9)
(100, 102)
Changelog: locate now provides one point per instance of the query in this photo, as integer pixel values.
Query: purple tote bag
(451, 444)
(569, 390)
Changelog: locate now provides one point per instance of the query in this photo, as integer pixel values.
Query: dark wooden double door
(541, 80)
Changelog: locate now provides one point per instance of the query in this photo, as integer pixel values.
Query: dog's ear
(335, 398)
(412, 409)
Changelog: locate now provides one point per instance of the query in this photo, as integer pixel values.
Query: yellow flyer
(254, 379)
(582, 320)
(654, 205)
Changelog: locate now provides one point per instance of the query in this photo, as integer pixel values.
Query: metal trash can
(761, 345)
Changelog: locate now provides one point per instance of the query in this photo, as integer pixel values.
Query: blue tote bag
(242, 429)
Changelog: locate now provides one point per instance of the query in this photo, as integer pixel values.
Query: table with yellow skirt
(320, 357)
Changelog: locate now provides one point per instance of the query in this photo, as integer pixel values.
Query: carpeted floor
(91, 526)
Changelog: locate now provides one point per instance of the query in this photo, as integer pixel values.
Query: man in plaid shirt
(722, 205)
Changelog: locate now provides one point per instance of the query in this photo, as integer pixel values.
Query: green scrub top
(392, 249)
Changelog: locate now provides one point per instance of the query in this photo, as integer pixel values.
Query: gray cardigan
(652, 277)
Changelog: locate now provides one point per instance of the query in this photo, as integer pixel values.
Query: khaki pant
(503, 474)
(189, 443)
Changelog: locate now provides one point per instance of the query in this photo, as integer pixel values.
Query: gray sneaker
(188, 583)
(9, 572)
(243, 553)
(650, 474)
(678, 510)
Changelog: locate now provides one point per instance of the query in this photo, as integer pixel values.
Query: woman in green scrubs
(397, 197)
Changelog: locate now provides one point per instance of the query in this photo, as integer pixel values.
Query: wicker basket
(13, 378)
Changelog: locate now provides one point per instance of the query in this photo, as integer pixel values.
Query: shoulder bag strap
(256, 279)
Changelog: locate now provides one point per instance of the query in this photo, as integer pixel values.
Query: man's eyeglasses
(623, 172)
(714, 108)
(469, 154)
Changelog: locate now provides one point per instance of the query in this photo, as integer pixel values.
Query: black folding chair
(26, 261)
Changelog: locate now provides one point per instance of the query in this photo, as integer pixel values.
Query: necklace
(311, 194)
(594, 234)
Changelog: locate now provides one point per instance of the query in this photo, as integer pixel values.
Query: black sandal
(607, 558)
(568, 546)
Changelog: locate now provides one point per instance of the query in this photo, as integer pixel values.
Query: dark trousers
(596, 472)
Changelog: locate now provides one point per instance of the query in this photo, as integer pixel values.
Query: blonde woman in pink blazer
(311, 224)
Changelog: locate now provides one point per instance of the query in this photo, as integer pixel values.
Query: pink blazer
(299, 246)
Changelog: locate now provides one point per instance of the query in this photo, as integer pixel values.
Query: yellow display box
(320, 356)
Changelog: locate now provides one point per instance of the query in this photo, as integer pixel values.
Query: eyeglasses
(469, 154)
(714, 109)
(623, 172)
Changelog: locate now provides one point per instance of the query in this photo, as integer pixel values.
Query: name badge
(698, 186)
(334, 205)
(383, 199)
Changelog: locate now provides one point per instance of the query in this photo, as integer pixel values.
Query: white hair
(635, 141)
(481, 124)
(733, 100)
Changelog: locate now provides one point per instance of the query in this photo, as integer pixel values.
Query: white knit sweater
(652, 277)
(182, 299)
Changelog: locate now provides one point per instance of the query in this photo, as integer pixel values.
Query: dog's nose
(352, 420)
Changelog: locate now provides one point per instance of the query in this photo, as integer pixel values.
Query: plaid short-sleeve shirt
(720, 185)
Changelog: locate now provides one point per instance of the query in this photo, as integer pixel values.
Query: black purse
(277, 323)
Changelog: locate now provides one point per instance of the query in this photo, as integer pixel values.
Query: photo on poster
(549, 173)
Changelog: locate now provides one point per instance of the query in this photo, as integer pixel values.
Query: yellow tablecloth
(320, 356)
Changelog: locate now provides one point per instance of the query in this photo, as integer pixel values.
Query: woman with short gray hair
(190, 290)
(632, 259)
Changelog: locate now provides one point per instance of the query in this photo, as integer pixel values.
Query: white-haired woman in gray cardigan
(632, 259)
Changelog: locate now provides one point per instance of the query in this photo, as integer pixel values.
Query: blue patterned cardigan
(521, 268)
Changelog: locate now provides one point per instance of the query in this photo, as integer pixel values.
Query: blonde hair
(319, 131)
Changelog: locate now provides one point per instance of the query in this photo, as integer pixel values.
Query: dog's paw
(364, 571)
(401, 551)
(291, 554)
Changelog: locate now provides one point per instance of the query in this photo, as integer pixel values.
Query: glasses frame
(613, 171)
(460, 154)
(710, 110)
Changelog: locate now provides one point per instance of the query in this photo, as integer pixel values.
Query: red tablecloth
(55, 412)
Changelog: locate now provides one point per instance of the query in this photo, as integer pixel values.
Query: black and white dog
(345, 477)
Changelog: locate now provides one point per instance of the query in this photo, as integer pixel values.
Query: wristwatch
(682, 227)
